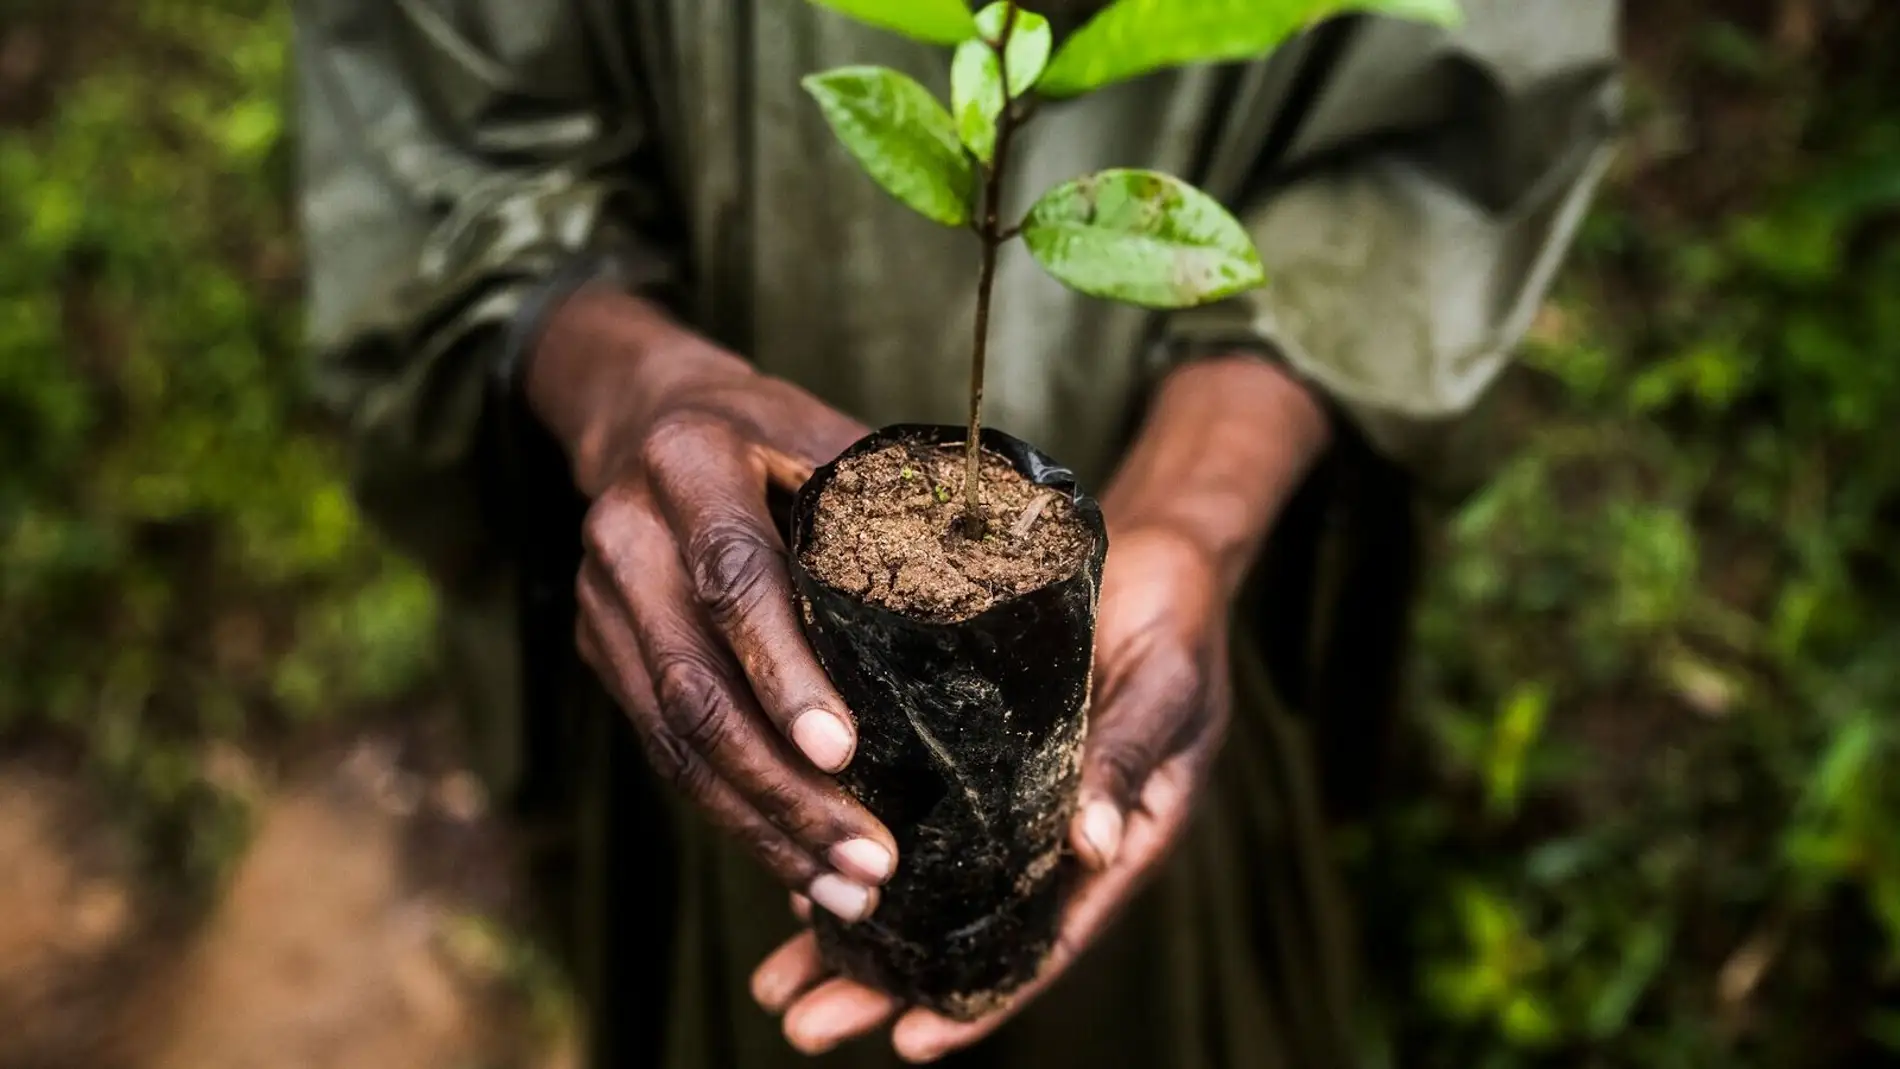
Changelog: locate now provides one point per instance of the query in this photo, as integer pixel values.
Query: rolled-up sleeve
(1414, 223)
(456, 157)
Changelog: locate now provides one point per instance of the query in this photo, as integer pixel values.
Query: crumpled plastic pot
(969, 743)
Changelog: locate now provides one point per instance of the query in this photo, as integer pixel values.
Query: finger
(796, 430)
(834, 1011)
(1152, 831)
(589, 646)
(787, 973)
(851, 899)
(1144, 716)
(729, 811)
(786, 821)
(801, 906)
(707, 717)
(711, 488)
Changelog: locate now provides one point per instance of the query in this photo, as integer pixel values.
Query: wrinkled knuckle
(793, 810)
(732, 569)
(693, 702)
(675, 763)
(777, 797)
(782, 858)
(601, 531)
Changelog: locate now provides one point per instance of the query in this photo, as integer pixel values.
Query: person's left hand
(1161, 711)
(1225, 442)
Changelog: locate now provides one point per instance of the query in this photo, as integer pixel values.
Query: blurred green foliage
(1655, 820)
(1659, 820)
(179, 562)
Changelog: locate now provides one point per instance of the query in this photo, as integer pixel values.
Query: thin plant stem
(991, 233)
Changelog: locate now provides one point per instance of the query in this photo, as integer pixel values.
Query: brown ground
(326, 951)
(888, 528)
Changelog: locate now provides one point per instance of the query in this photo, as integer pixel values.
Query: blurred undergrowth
(1658, 823)
(1654, 821)
(179, 562)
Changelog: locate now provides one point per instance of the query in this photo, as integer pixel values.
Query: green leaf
(1029, 43)
(1143, 238)
(1133, 37)
(1437, 12)
(901, 136)
(976, 80)
(1527, 1020)
(941, 22)
(1644, 954)
(1519, 725)
(976, 97)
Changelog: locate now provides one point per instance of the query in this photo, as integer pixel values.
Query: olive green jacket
(1412, 191)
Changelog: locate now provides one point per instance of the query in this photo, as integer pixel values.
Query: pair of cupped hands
(686, 613)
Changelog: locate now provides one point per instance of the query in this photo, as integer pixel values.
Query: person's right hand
(686, 607)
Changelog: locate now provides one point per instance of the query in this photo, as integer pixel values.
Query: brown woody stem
(992, 234)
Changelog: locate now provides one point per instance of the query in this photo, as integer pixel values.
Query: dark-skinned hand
(685, 604)
(1162, 705)
(1224, 445)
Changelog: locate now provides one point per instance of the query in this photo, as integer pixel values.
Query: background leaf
(1143, 238)
(901, 136)
(162, 482)
(942, 22)
(1134, 37)
(976, 80)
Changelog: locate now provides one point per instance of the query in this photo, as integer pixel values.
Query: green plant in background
(1654, 823)
(1136, 236)
(179, 560)
(1660, 653)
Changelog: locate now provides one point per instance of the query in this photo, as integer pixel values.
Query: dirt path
(325, 952)
(65, 927)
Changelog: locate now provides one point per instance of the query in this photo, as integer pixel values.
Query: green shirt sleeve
(1414, 222)
(456, 156)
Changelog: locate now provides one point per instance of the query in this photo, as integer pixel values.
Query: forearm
(1225, 443)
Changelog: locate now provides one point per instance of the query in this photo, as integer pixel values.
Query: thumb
(1139, 723)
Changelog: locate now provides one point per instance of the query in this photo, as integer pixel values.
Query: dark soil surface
(888, 530)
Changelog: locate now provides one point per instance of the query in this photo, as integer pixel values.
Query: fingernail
(864, 859)
(850, 901)
(823, 738)
(1102, 827)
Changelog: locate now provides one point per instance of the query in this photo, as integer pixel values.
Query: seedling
(972, 696)
(1130, 235)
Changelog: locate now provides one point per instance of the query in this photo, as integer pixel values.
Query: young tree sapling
(1136, 236)
(971, 722)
